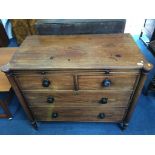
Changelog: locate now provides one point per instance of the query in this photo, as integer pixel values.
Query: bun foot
(123, 126)
(34, 125)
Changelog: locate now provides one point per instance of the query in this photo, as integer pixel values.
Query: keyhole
(51, 57)
(118, 55)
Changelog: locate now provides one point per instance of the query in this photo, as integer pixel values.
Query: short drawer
(52, 81)
(80, 98)
(96, 114)
(109, 82)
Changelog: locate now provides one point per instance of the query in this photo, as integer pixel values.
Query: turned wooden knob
(50, 99)
(55, 115)
(46, 83)
(104, 100)
(106, 83)
(101, 115)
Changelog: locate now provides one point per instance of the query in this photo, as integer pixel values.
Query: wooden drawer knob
(55, 115)
(46, 83)
(50, 99)
(106, 83)
(101, 115)
(104, 100)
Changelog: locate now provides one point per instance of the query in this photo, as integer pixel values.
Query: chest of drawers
(91, 78)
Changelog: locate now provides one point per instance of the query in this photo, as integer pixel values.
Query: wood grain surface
(118, 82)
(78, 98)
(57, 82)
(78, 114)
(78, 51)
(67, 81)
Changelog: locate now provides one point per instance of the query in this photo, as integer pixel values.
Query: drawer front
(96, 114)
(54, 82)
(80, 98)
(109, 82)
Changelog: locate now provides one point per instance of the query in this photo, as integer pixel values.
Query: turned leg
(34, 125)
(134, 99)
(21, 98)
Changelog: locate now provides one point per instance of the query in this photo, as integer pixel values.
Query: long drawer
(96, 114)
(78, 98)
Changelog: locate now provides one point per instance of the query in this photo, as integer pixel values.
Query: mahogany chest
(91, 78)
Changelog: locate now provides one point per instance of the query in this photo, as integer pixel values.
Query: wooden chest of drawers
(78, 77)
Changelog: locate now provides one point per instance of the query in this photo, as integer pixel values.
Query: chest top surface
(77, 52)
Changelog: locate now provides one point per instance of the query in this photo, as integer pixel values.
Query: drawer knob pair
(106, 83)
(50, 99)
(46, 83)
(55, 115)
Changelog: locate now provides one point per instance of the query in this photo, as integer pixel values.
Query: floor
(142, 121)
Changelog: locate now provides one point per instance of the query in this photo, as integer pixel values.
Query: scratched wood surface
(78, 51)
